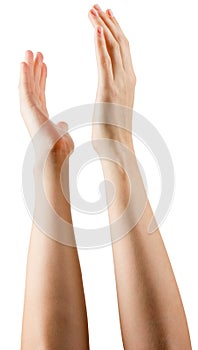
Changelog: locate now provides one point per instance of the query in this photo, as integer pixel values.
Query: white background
(164, 47)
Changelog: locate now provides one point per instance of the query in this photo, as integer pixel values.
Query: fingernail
(99, 30)
(110, 13)
(40, 55)
(97, 7)
(29, 55)
(94, 13)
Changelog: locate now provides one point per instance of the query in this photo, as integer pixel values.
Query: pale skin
(54, 299)
(150, 307)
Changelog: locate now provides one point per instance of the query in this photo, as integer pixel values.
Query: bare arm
(54, 309)
(150, 307)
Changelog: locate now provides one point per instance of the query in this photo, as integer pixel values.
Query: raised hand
(32, 84)
(54, 304)
(117, 80)
(150, 307)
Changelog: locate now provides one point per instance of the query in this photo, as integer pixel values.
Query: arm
(150, 307)
(54, 308)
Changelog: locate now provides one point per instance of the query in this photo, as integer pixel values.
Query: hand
(116, 82)
(34, 111)
(116, 79)
(52, 143)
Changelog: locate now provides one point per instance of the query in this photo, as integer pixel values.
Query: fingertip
(40, 56)
(24, 66)
(97, 7)
(63, 126)
(93, 13)
(109, 12)
(29, 52)
(29, 55)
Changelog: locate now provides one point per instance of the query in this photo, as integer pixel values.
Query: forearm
(54, 309)
(150, 306)
(151, 312)
(54, 299)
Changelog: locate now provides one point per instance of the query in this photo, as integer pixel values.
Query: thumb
(63, 126)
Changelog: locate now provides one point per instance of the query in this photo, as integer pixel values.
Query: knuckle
(125, 40)
(105, 61)
(131, 79)
(121, 38)
(118, 37)
(114, 45)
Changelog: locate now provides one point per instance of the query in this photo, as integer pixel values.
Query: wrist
(52, 187)
(112, 121)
